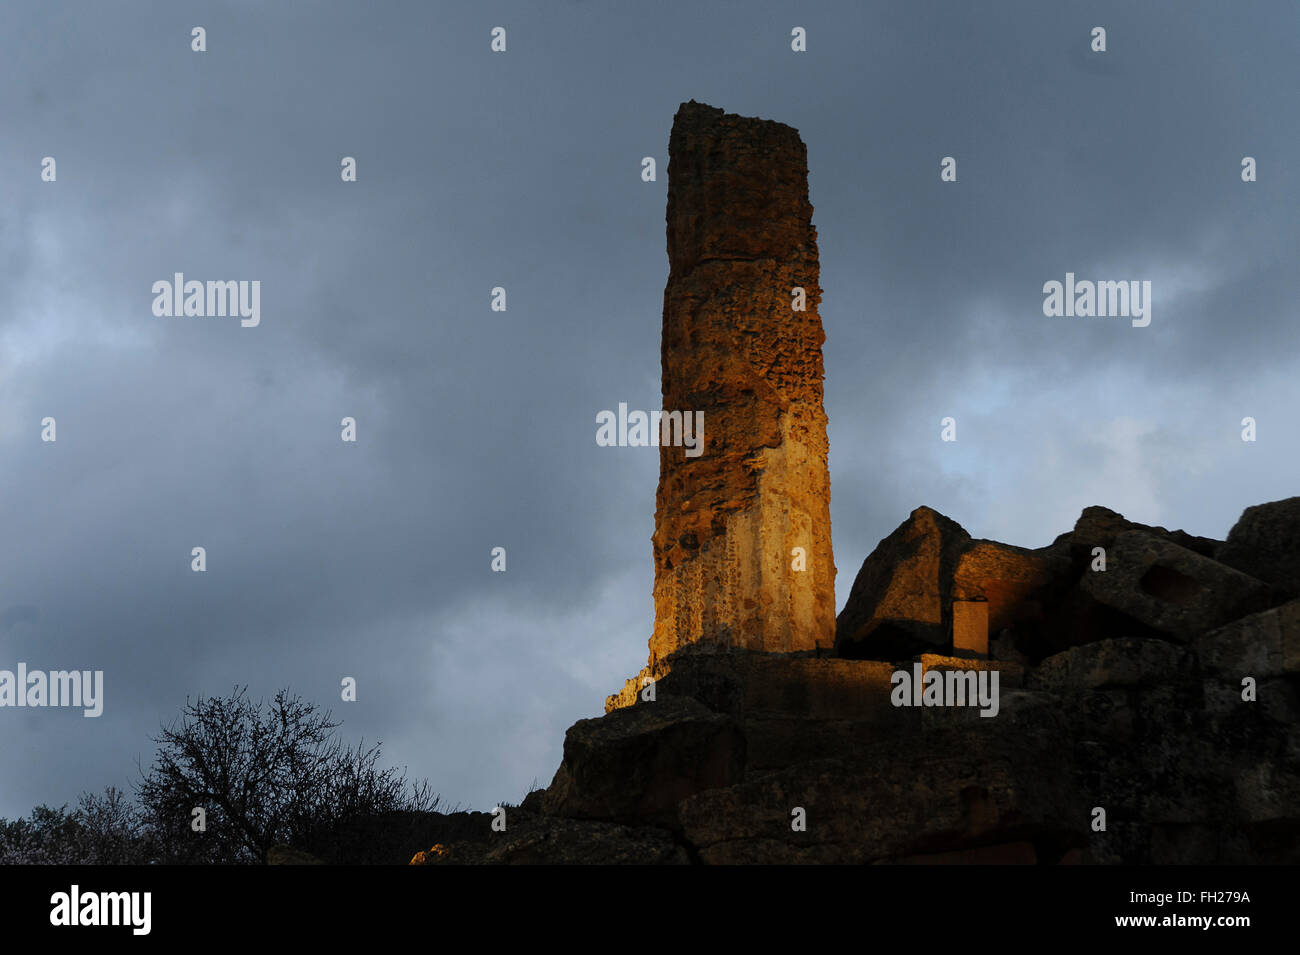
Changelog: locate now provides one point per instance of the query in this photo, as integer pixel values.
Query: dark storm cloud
(476, 428)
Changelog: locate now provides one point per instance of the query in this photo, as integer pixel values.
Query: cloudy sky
(476, 428)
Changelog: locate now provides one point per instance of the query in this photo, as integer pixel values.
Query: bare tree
(262, 775)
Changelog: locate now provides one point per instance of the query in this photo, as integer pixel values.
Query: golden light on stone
(970, 625)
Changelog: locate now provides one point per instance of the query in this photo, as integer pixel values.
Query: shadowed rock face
(1143, 712)
(1263, 544)
(902, 599)
(740, 238)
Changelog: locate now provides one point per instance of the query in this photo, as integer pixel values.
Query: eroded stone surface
(1171, 589)
(899, 604)
(1261, 645)
(638, 763)
(740, 238)
(1121, 662)
(956, 786)
(1265, 543)
(902, 599)
(1099, 526)
(1015, 581)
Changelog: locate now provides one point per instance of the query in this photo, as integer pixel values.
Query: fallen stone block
(1261, 645)
(901, 597)
(1120, 662)
(1100, 526)
(1171, 589)
(1265, 543)
(1017, 583)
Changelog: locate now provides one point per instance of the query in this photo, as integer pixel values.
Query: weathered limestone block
(636, 764)
(791, 708)
(819, 689)
(970, 627)
(900, 599)
(1268, 793)
(749, 684)
(1009, 674)
(728, 521)
(1265, 543)
(1262, 645)
(1099, 526)
(1015, 581)
(1121, 662)
(901, 603)
(1076, 617)
(777, 742)
(634, 686)
(1171, 589)
(1007, 781)
(707, 672)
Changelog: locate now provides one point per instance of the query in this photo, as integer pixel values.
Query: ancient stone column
(731, 523)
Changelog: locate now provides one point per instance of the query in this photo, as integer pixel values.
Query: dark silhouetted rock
(901, 601)
(1265, 543)
(288, 855)
(543, 840)
(901, 598)
(1122, 662)
(639, 762)
(963, 783)
(1262, 645)
(1171, 589)
(1099, 526)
